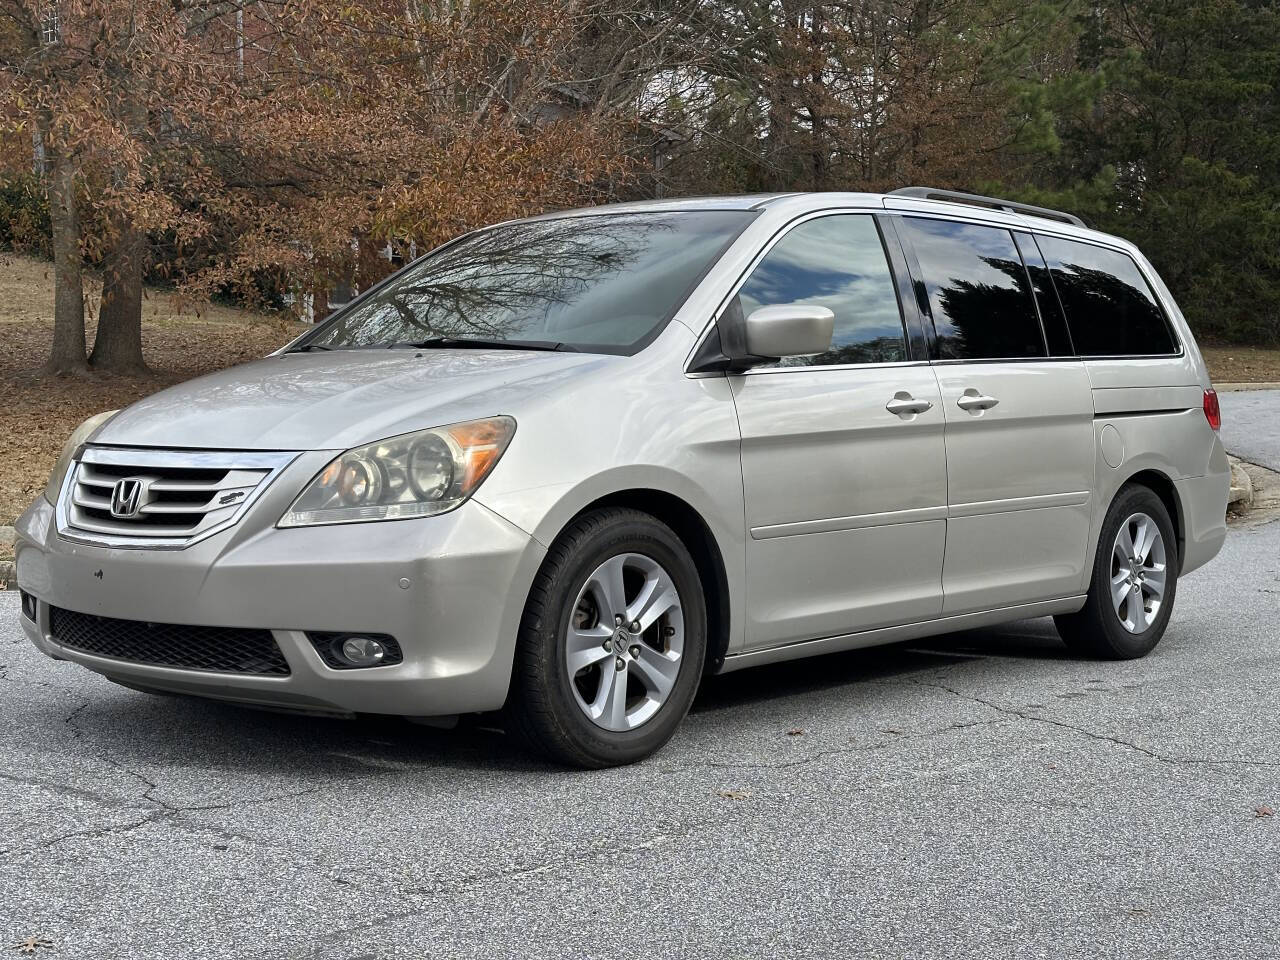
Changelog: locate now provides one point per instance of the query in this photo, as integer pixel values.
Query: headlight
(53, 488)
(412, 475)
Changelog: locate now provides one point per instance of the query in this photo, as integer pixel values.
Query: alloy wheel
(1138, 572)
(625, 642)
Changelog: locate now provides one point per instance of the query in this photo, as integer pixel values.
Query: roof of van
(1007, 212)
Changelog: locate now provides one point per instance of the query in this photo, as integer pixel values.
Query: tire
(554, 711)
(1125, 629)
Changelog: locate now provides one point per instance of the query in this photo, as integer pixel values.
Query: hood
(341, 399)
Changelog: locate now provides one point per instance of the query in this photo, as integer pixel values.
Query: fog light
(28, 605)
(341, 650)
(362, 651)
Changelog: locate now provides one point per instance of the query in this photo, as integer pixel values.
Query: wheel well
(693, 532)
(1163, 488)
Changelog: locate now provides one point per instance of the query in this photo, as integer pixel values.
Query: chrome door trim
(818, 368)
(835, 524)
(1013, 504)
(920, 515)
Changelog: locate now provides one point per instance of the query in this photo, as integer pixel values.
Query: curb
(1263, 503)
(8, 574)
(1241, 493)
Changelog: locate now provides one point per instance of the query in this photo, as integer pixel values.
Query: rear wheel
(612, 642)
(1135, 577)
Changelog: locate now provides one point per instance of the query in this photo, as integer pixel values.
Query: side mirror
(790, 330)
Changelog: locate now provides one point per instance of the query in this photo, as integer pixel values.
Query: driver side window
(836, 262)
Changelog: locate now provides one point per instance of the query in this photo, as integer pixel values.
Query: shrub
(24, 215)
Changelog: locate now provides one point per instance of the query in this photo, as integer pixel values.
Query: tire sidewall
(632, 535)
(1131, 501)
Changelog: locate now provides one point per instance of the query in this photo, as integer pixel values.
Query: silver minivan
(563, 467)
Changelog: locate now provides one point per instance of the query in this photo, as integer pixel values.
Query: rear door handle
(905, 405)
(971, 399)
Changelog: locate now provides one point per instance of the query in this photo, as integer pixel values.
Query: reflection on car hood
(337, 400)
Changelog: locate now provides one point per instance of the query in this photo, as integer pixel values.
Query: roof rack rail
(995, 203)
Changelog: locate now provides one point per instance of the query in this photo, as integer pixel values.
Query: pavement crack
(894, 736)
(1093, 734)
(247, 802)
(515, 872)
(149, 786)
(83, 834)
(70, 719)
(65, 789)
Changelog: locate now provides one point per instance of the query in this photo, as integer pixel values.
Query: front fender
(653, 430)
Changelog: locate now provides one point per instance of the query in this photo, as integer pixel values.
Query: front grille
(133, 497)
(220, 649)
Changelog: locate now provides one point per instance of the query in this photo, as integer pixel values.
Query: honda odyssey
(564, 467)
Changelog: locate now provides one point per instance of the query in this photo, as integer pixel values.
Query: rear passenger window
(1109, 305)
(982, 304)
(836, 262)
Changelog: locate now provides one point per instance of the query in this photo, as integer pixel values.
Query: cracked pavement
(984, 794)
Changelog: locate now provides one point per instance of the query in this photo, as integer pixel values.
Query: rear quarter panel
(1148, 416)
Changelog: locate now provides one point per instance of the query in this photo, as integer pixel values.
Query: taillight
(1212, 412)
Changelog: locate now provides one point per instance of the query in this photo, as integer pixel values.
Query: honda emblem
(126, 498)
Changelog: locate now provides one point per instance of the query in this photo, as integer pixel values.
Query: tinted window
(1051, 317)
(1110, 308)
(836, 262)
(606, 281)
(978, 291)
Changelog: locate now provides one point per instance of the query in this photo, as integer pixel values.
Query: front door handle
(905, 405)
(971, 399)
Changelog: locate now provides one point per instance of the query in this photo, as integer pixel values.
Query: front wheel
(612, 642)
(1135, 577)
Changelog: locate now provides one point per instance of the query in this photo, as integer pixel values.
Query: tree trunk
(117, 348)
(67, 353)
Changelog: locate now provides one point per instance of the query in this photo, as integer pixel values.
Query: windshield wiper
(469, 343)
(309, 346)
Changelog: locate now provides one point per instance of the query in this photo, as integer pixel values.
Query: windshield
(603, 283)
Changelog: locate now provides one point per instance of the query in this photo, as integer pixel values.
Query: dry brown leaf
(795, 732)
(736, 794)
(1263, 811)
(32, 944)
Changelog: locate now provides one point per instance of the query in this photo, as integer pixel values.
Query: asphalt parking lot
(983, 794)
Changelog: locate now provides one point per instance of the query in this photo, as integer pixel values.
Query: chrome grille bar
(181, 498)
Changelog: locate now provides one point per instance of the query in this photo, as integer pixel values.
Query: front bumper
(451, 589)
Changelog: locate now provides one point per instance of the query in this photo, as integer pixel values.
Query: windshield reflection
(604, 281)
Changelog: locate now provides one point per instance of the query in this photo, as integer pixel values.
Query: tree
(32, 55)
(1178, 152)
(353, 122)
(94, 77)
(870, 94)
(266, 137)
